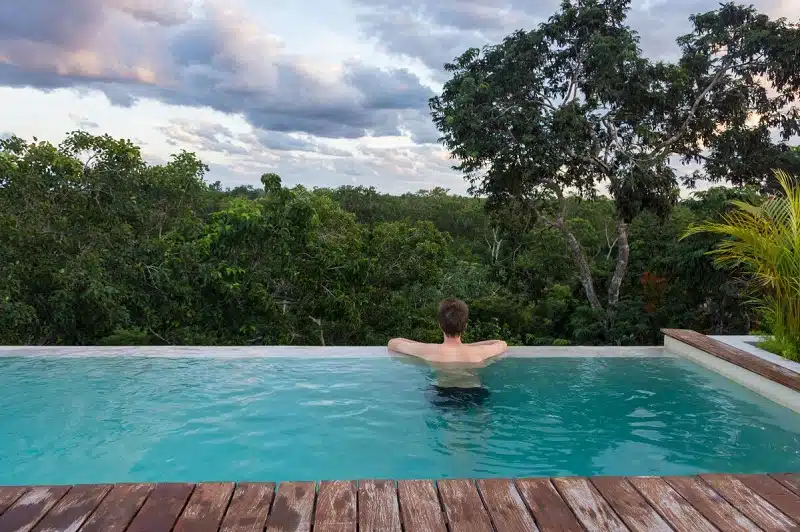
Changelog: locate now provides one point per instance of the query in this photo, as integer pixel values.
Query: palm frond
(763, 242)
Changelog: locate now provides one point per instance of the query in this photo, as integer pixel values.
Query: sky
(322, 92)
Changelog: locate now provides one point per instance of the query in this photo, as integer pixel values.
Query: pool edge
(234, 352)
(767, 387)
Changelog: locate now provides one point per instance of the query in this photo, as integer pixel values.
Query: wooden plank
(419, 506)
(765, 368)
(116, 511)
(754, 507)
(588, 505)
(336, 507)
(790, 480)
(293, 507)
(206, 507)
(505, 506)
(774, 493)
(162, 508)
(463, 506)
(631, 507)
(73, 509)
(29, 509)
(548, 508)
(378, 509)
(249, 508)
(711, 504)
(9, 495)
(681, 515)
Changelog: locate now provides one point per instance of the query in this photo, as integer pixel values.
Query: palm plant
(764, 243)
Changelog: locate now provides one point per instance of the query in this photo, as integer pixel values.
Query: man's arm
(408, 347)
(490, 348)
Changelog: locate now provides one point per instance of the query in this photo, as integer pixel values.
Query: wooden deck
(734, 355)
(706, 503)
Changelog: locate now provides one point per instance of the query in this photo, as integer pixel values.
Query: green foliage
(782, 346)
(98, 247)
(763, 244)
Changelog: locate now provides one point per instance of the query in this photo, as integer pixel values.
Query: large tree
(573, 108)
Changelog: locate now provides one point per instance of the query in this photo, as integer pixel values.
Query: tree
(572, 107)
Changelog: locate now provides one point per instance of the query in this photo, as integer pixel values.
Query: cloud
(240, 157)
(254, 145)
(132, 49)
(435, 32)
(84, 123)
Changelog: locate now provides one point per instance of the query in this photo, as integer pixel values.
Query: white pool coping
(311, 352)
(768, 388)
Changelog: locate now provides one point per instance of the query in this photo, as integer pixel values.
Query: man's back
(450, 352)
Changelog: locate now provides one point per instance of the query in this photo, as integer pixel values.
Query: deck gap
(317, 485)
(731, 503)
(25, 489)
(608, 503)
(34, 525)
(358, 503)
(664, 517)
(144, 501)
(646, 500)
(399, 504)
(98, 505)
(525, 503)
(777, 477)
(441, 506)
(183, 508)
(568, 505)
(483, 501)
(227, 505)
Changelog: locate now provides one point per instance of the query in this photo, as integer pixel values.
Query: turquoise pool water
(75, 420)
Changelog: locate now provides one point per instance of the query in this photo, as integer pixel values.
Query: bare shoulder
(485, 351)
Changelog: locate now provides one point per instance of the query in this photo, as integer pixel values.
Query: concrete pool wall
(309, 351)
(777, 382)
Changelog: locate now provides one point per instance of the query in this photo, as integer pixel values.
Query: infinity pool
(120, 419)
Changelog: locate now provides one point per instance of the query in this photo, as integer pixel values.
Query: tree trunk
(584, 271)
(623, 252)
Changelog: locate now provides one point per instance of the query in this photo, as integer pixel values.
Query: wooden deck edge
(765, 368)
(705, 503)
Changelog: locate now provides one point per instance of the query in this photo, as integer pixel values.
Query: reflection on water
(156, 419)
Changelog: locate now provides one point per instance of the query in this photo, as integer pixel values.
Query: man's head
(453, 315)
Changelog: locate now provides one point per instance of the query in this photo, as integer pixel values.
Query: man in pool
(454, 361)
(453, 316)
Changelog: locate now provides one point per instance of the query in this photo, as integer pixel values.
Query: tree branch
(685, 125)
(623, 253)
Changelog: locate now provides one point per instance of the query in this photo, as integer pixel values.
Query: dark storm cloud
(131, 49)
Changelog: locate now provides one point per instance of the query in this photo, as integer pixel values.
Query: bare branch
(685, 125)
(572, 89)
(623, 254)
(609, 242)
